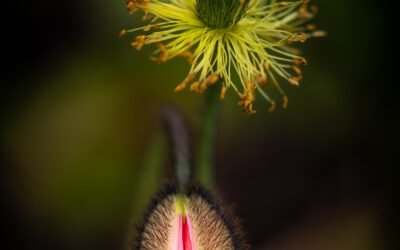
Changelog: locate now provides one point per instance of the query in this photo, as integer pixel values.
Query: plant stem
(179, 140)
(206, 147)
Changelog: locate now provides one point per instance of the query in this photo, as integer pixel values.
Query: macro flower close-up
(200, 125)
(244, 45)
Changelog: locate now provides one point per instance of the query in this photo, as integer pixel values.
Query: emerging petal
(190, 221)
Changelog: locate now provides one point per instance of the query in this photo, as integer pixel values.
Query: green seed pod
(220, 14)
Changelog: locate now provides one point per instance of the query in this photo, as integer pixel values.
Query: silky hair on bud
(193, 220)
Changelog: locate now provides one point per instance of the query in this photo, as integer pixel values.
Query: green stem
(179, 140)
(206, 147)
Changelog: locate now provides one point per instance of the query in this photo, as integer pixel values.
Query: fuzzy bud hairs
(195, 220)
(184, 216)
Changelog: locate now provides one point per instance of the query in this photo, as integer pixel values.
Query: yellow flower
(249, 40)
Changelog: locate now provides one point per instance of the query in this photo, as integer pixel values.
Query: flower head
(223, 40)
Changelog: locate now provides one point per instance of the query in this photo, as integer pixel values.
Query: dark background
(83, 151)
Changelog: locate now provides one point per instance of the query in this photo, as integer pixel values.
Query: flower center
(220, 14)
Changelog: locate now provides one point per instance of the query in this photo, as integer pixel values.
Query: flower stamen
(248, 98)
(135, 5)
(187, 81)
(248, 40)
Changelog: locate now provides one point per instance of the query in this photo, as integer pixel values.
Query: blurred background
(83, 150)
